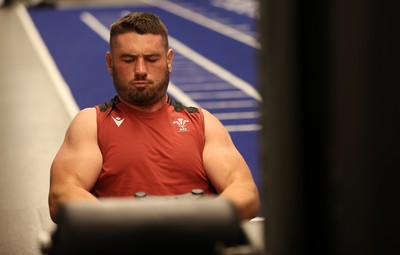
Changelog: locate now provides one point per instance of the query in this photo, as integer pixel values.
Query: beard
(141, 96)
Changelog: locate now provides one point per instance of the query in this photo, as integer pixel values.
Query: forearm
(245, 198)
(68, 193)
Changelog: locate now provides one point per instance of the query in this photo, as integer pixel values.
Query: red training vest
(159, 153)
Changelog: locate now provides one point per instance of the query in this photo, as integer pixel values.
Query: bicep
(223, 162)
(79, 160)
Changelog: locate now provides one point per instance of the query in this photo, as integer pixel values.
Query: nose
(140, 68)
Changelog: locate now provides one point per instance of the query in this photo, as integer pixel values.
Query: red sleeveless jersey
(159, 153)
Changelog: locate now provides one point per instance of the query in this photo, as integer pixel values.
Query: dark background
(329, 75)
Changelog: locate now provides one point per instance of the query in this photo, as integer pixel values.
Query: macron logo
(118, 121)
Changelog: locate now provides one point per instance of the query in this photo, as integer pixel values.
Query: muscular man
(142, 140)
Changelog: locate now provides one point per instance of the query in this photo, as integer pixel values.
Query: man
(142, 140)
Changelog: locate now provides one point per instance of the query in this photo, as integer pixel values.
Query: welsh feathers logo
(181, 123)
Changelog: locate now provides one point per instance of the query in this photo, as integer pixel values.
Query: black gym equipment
(186, 224)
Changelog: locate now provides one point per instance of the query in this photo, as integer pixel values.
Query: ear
(109, 62)
(170, 58)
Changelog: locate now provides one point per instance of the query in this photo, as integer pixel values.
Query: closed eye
(128, 60)
(152, 59)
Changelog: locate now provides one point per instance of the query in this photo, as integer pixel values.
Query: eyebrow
(125, 55)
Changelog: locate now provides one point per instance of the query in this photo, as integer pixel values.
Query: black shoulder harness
(177, 105)
(180, 107)
(112, 103)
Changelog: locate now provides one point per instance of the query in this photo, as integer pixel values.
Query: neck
(148, 108)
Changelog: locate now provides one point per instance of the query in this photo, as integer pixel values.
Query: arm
(227, 169)
(77, 164)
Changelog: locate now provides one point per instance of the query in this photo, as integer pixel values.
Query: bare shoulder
(86, 115)
(207, 114)
(213, 126)
(210, 121)
(83, 125)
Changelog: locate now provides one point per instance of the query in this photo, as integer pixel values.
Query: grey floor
(33, 122)
(32, 126)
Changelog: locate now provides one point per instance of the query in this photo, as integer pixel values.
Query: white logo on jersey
(118, 121)
(181, 124)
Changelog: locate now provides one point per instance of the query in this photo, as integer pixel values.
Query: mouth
(140, 84)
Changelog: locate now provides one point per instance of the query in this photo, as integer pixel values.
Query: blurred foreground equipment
(129, 226)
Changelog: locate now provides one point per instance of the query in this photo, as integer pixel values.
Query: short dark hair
(141, 23)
